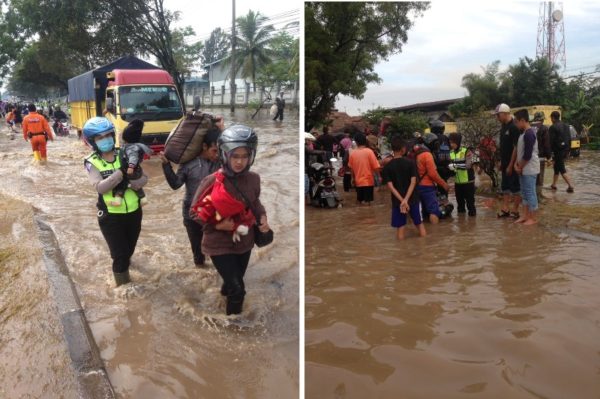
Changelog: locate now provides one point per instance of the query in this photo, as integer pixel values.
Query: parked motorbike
(322, 190)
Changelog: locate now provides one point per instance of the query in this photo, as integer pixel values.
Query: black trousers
(465, 193)
(347, 182)
(195, 232)
(121, 232)
(232, 268)
(279, 115)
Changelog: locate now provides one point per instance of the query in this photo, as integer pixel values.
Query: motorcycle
(446, 207)
(62, 128)
(322, 190)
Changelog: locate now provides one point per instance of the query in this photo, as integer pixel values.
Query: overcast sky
(454, 38)
(205, 16)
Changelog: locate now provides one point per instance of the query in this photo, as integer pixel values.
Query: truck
(124, 90)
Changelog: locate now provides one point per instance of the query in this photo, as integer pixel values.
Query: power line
(277, 19)
(581, 68)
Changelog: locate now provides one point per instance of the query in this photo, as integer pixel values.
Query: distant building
(433, 110)
(218, 91)
(194, 86)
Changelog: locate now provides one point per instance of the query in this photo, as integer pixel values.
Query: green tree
(253, 40)
(406, 124)
(484, 91)
(343, 43)
(186, 56)
(283, 68)
(55, 40)
(531, 82)
(216, 47)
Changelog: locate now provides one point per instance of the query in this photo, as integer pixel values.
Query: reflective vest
(131, 201)
(459, 160)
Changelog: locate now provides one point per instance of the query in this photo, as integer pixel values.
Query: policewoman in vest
(461, 162)
(120, 225)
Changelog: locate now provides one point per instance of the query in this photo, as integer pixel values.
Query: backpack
(185, 140)
(442, 157)
(543, 140)
(562, 138)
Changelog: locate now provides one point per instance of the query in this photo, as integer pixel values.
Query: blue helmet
(97, 126)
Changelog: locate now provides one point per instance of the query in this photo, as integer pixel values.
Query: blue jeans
(528, 191)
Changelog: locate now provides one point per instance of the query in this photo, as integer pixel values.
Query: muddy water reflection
(168, 337)
(479, 307)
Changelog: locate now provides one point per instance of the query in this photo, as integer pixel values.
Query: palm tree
(252, 44)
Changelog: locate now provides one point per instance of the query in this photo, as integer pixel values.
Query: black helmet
(234, 137)
(437, 126)
(429, 139)
(455, 137)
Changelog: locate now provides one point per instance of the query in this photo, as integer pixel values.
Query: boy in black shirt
(400, 175)
(511, 190)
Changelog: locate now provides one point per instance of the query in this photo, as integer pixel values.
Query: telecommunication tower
(551, 34)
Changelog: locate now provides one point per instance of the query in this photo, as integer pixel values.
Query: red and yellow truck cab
(123, 91)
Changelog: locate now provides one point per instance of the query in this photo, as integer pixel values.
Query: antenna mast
(551, 34)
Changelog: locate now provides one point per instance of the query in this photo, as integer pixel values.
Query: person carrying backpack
(544, 146)
(560, 138)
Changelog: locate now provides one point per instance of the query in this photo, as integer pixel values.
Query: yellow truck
(127, 89)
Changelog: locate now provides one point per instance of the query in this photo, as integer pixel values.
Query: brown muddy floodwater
(480, 308)
(167, 336)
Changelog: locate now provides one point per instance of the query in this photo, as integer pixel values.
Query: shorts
(559, 162)
(528, 192)
(429, 202)
(364, 194)
(399, 219)
(510, 184)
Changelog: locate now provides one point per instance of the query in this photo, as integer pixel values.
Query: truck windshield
(149, 103)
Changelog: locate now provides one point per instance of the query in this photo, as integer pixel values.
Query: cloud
(453, 39)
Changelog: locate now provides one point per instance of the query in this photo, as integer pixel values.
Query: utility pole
(233, 71)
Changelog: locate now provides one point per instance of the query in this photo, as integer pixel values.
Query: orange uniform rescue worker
(37, 130)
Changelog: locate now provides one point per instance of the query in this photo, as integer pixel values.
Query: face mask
(105, 144)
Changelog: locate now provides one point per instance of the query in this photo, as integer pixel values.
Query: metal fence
(221, 95)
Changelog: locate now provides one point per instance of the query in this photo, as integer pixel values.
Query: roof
(141, 76)
(213, 63)
(428, 106)
(81, 87)
(193, 79)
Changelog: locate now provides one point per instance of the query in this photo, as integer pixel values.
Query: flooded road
(479, 308)
(167, 336)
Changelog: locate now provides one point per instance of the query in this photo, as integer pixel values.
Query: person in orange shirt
(363, 164)
(427, 180)
(37, 131)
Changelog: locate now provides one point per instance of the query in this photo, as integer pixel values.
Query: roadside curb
(92, 378)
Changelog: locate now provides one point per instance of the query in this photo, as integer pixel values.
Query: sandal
(570, 190)
(553, 188)
(503, 214)
(515, 215)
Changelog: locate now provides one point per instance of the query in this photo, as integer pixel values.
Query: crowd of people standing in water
(416, 170)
